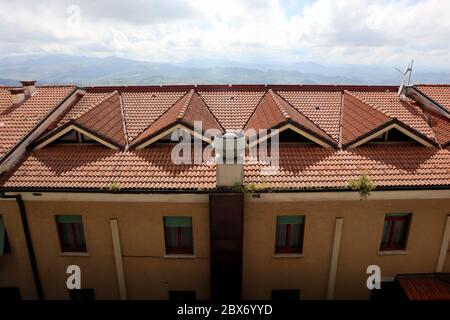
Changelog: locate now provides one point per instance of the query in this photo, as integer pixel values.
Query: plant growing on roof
(362, 184)
(114, 187)
(250, 187)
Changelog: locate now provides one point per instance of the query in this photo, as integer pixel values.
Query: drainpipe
(26, 231)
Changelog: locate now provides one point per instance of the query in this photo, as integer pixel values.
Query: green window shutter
(68, 219)
(290, 219)
(2, 236)
(178, 221)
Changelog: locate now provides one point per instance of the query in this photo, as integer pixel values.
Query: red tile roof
(142, 108)
(400, 165)
(322, 107)
(274, 112)
(99, 167)
(185, 111)
(440, 93)
(441, 127)
(392, 106)
(106, 119)
(359, 119)
(320, 110)
(232, 108)
(16, 121)
(301, 167)
(426, 287)
(84, 104)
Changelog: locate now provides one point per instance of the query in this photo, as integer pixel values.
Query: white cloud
(350, 31)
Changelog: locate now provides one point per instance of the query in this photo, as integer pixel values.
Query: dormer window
(393, 135)
(75, 137)
(290, 136)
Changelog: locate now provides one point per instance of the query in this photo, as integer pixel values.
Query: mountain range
(82, 70)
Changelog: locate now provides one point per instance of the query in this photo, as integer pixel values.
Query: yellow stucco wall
(149, 274)
(15, 268)
(361, 235)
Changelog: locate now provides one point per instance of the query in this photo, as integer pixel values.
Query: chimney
(29, 86)
(230, 150)
(17, 95)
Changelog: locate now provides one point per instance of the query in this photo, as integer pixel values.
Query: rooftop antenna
(405, 74)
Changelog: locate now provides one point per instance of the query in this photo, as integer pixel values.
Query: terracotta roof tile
(359, 118)
(301, 167)
(186, 111)
(98, 167)
(439, 93)
(273, 111)
(321, 107)
(392, 165)
(88, 101)
(441, 127)
(390, 104)
(425, 287)
(106, 120)
(232, 108)
(143, 108)
(18, 120)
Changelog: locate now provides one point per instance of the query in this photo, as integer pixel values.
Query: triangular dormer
(362, 123)
(273, 112)
(104, 123)
(181, 117)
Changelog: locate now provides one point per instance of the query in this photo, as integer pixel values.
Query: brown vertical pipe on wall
(31, 255)
(226, 220)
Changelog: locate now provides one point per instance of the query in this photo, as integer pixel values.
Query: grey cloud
(139, 12)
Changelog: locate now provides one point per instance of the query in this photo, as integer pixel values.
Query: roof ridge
(185, 106)
(94, 105)
(207, 107)
(378, 108)
(282, 109)
(133, 142)
(303, 115)
(445, 85)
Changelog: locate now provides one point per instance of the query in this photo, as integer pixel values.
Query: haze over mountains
(58, 68)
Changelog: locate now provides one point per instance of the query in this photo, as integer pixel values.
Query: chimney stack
(230, 150)
(29, 86)
(17, 95)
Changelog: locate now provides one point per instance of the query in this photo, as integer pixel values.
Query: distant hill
(8, 82)
(56, 68)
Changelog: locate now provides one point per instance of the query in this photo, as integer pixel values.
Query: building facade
(91, 181)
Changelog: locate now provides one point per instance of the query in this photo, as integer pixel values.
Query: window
(82, 294)
(395, 231)
(286, 295)
(178, 234)
(290, 135)
(289, 237)
(393, 135)
(74, 136)
(181, 295)
(71, 235)
(71, 137)
(4, 242)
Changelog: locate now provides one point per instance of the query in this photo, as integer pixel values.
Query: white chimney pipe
(29, 86)
(17, 95)
(230, 150)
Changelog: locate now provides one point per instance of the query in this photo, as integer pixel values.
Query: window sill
(392, 252)
(75, 254)
(179, 256)
(288, 255)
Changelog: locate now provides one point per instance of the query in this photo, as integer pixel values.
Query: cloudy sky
(324, 31)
